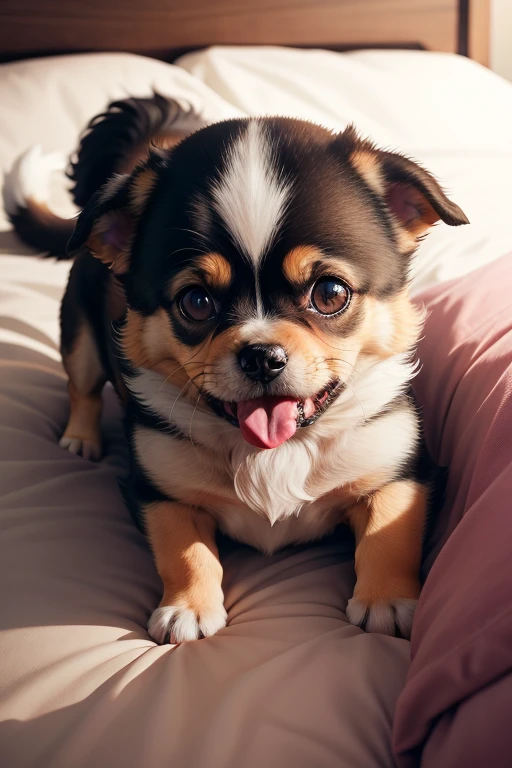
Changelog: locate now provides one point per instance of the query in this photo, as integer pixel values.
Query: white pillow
(49, 101)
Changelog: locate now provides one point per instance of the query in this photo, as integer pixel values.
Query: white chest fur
(293, 493)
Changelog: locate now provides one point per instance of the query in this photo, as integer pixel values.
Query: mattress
(290, 681)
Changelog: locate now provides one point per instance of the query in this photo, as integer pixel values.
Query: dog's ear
(107, 224)
(410, 193)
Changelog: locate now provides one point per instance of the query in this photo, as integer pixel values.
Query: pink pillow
(455, 707)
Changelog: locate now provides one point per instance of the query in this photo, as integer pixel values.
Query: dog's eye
(196, 304)
(330, 295)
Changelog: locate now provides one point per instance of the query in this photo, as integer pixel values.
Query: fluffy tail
(113, 142)
(25, 194)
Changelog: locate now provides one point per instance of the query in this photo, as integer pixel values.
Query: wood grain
(479, 31)
(162, 27)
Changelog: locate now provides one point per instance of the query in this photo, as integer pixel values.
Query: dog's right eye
(197, 304)
(330, 296)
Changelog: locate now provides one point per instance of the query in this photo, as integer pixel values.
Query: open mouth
(269, 421)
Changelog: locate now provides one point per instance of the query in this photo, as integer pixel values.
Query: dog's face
(261, 260)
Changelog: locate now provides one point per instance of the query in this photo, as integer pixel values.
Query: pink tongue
(266, 422)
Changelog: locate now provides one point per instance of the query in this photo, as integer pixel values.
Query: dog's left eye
(330, 295)
(197, 304)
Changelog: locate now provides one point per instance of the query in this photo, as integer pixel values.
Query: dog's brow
(306, 262)
(211, 268)
(216, 269)
(298, 263)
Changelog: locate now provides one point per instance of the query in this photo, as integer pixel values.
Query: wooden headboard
(164, 28)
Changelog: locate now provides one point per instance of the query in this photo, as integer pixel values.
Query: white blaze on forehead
(250, 195)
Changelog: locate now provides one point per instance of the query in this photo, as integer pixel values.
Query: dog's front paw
(180, 622)
(89, 449)
(389, 618)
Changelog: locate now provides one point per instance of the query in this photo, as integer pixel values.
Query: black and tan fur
(350, 211)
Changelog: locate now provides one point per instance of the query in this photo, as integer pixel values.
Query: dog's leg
(183, 542)
(388, 528)
(86, 381)
(84, 311)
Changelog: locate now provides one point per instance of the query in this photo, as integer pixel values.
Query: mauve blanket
(455, 710)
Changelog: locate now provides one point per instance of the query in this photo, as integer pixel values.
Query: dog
(244, 286)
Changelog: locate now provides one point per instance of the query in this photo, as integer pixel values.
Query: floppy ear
(411, 194)
(107, 224)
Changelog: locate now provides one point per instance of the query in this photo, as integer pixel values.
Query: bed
(289, 681)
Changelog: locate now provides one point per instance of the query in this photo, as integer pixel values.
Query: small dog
(245, 288)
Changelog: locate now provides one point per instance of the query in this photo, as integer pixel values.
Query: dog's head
(261, 260)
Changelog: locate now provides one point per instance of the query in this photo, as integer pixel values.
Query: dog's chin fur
(342, 447)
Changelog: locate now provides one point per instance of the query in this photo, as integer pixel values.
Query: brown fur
(139, 153)
(182, 539)
(407, 321)
(151, 343)
(314, 347)
(298, 262)
(86, 381)
(141, 188)
(408, 236)
(133, 339)
(343, 211)
(304, 263)
(115, 300)
(402, 317)
(202, 483)
(347, 495)
(108, 254)
(85, 415)
(427, 216)
(215, 272)
(388, 527)
(367, 164)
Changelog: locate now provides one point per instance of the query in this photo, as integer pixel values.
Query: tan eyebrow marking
(300, 262)
(217, 270)
(213, 268)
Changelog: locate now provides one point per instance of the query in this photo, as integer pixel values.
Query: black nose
(262, 362)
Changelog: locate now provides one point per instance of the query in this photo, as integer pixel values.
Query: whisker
(191, 380)
(190, 361)
(337, 360)
(315, 364)
(187, 384)
(191, 231)
(198, 251)
(190, 425)
(341, 349)
(358, 400)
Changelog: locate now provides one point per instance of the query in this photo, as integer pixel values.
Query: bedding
(454, 701)
(289, 681)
